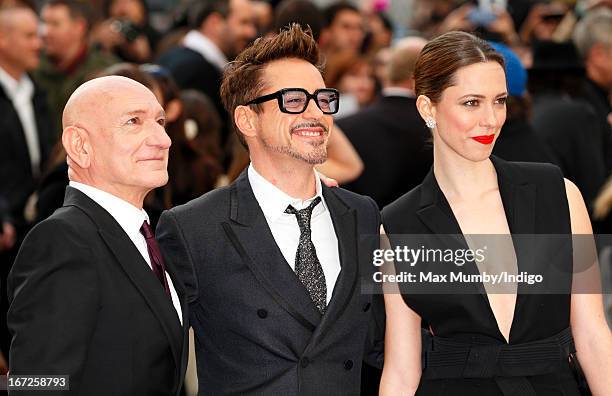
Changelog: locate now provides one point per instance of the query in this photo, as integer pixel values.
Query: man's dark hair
(76, 9)
(330, 13)
(304, 12)
(202, 9)
(243, 78)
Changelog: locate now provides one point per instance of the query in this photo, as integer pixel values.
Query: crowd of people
(556, 57)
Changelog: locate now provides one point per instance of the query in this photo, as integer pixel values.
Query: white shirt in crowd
(285, 228)
(201, 44)
(20, 92)
(130, 218)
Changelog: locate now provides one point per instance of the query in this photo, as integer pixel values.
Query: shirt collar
(274, 201)
(129, 217)
(398, 91)
(201, 44)
(14, 88)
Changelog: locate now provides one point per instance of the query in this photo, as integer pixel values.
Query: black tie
(307, 266)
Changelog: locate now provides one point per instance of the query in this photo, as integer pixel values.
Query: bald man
(91, 296)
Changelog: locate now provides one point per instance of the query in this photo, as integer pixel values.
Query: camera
(126, 28)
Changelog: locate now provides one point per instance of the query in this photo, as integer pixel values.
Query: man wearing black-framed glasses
(273, 262)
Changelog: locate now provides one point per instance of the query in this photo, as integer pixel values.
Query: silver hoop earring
(431, 123)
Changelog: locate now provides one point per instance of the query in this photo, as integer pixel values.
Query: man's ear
(425, 108)
(246, 120)
(597, 54)
(77, 145)
(83, 26)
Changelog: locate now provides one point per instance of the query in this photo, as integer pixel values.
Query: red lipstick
(484, 139)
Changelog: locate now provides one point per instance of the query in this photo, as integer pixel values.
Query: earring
(431, 123)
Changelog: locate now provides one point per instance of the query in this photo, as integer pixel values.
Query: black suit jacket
(192, 71)
(84, 303)
(16, 179)
(571, 129)
(257, 331)
(391, 139)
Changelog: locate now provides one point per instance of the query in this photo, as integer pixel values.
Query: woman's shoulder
(528, 172)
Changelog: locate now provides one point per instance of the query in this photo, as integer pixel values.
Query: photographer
(126, 31)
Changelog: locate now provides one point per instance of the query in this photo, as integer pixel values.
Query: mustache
(310, 125)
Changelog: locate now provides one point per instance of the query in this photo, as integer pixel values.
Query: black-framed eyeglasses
(295, 100)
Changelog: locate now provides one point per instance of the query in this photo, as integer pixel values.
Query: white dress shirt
(286, 231)
(21, 93)
(201, 44)
(130, 218)
(398, 91)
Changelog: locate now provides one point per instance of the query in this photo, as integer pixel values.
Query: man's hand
(328, 181)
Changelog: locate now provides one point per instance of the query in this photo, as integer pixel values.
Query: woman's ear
(174, 108)
(425, 107)
(246, 120)
(78, 148)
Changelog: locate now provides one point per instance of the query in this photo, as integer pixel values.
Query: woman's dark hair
(440, 59)
(192, 172)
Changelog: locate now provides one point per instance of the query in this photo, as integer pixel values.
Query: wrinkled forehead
(107, 105)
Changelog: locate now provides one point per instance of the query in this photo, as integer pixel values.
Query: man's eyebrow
(161, 113)
(134, 112)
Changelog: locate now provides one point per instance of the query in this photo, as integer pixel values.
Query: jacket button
(262, 313)
(348, 364)
(366, 307)
(304, 362)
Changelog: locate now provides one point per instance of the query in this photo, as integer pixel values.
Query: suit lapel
(344, 220)
(250, 234)
(134, 266)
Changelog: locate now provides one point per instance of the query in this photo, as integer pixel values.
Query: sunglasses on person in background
(295, 100)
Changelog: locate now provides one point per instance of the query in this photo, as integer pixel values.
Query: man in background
(593, 39)
(344, 28)
(220, 30)
(26, 135)
(68, 60)
(389, 135)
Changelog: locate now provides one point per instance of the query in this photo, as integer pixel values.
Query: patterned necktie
(157, 260)
(307, 266)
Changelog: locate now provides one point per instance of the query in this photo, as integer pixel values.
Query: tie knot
(146, 230)
(306, 211)
(303, 215)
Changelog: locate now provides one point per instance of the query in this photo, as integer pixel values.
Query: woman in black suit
(491, 342)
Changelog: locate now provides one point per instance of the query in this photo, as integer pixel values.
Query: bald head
(19, 41)
(88, 102)
(115, 139)
(9, 16)
(403, 59)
